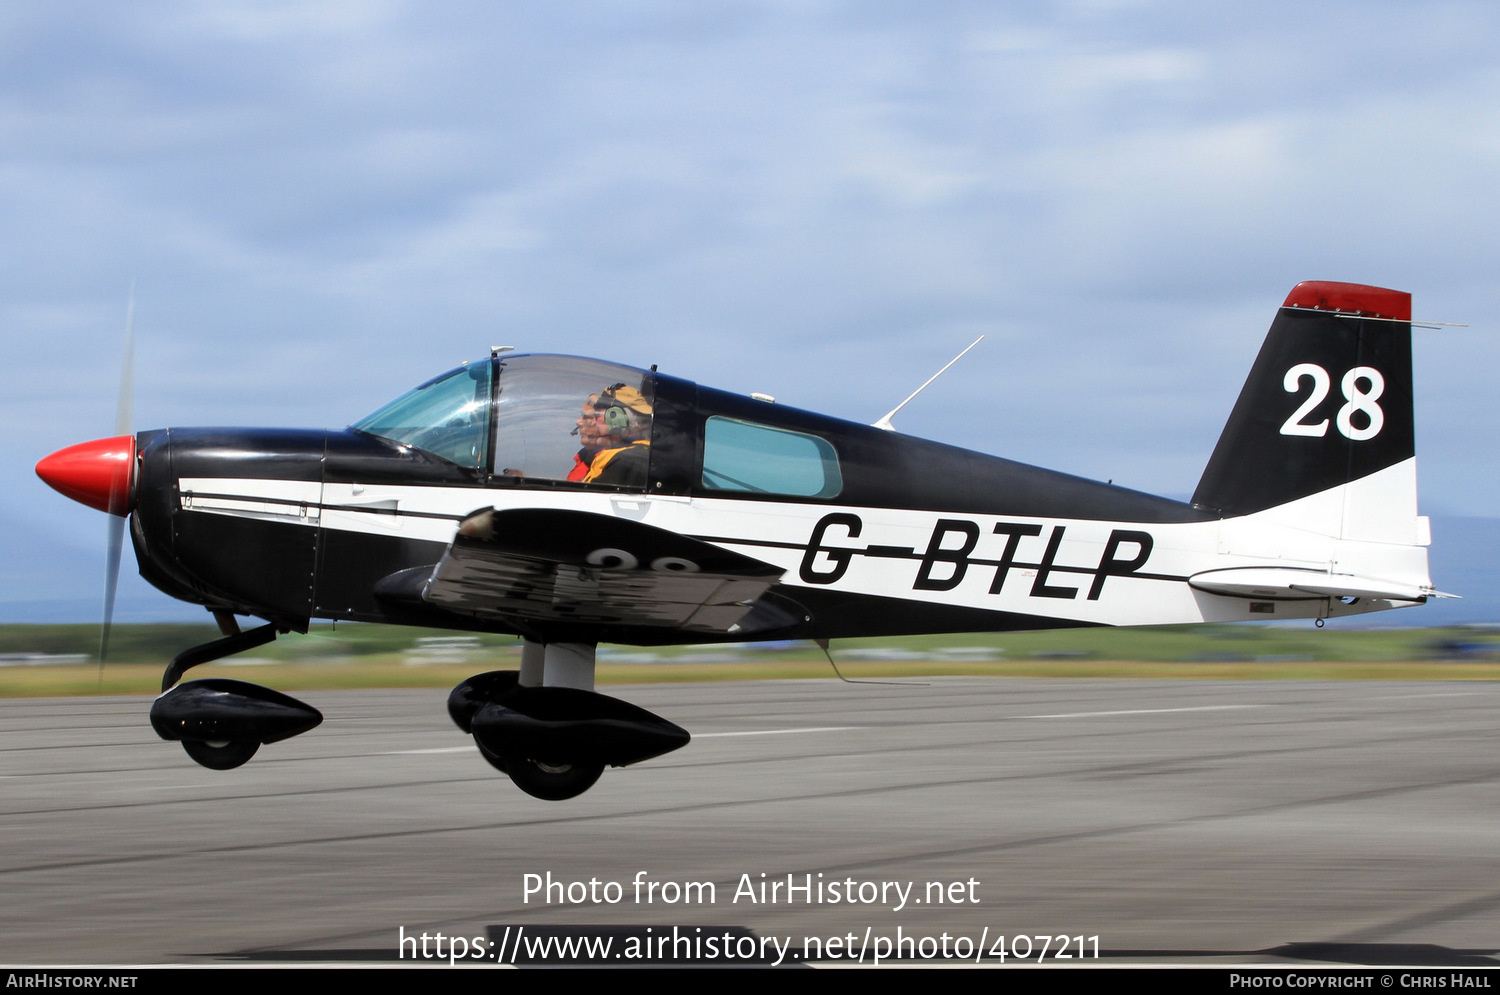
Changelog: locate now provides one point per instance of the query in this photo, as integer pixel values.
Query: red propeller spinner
(99, 474)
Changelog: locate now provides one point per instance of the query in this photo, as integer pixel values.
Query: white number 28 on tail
(1354, 400)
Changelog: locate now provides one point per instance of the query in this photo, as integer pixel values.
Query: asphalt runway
(1179, 822)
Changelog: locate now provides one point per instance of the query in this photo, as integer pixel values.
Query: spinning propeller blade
(116, 525)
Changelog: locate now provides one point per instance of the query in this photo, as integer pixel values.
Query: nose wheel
(221, 723)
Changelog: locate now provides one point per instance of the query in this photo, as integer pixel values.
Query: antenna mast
(885, 422)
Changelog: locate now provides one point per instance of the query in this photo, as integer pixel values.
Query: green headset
(616, 415)
(617, 411)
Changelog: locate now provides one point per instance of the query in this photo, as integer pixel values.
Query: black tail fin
(1329, 401)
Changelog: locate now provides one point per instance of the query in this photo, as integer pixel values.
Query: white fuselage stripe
(1089, 572)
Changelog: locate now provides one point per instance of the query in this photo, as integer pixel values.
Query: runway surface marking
(469, 748)
(1140, 711)
(701, 735)
(773, 732)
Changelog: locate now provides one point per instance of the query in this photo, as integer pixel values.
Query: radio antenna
(885, 422)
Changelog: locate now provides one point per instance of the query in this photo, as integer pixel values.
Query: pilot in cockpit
(592, 437)
(625, 419)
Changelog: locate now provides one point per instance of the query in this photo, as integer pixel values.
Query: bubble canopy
(548, 418)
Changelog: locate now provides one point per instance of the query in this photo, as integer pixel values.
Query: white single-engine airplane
(570, 501)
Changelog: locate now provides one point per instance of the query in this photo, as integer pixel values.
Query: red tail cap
(1351, 298)
(98, 474)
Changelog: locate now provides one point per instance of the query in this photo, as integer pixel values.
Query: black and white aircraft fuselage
(571, 501)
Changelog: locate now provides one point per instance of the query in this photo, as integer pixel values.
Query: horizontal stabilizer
(1290, 582)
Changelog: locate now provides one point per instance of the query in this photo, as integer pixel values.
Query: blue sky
(324, 203)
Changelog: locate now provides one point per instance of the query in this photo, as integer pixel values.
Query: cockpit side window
(561, 420)
(744, 456)
(448, 416)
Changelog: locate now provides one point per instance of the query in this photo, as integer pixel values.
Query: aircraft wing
(539, 565)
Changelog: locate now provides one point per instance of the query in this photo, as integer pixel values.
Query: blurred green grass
(56, 660)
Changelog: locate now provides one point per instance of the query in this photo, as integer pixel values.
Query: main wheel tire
(220, 756)
(550, 782)
(495, 760)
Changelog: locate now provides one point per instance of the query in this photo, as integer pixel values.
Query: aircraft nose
(98, 474)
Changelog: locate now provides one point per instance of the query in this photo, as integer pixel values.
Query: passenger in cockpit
(626, 420)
